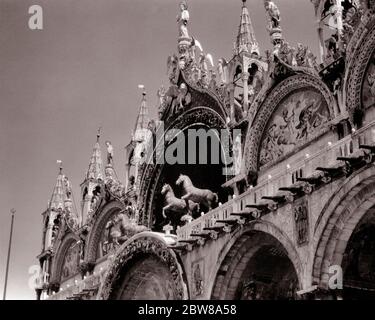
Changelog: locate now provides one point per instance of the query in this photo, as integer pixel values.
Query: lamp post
(13, 211)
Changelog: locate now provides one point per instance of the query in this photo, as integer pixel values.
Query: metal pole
(13, 211)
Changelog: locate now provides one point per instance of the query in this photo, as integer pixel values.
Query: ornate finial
(141, 86)
(59, 162)
(98, 134)
(167, 229)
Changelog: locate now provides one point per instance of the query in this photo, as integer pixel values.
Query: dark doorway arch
(257, 267)
(359, 261)
(146, 279)
(144, 268)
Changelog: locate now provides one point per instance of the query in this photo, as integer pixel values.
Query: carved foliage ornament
(264, 115)
(142, 246)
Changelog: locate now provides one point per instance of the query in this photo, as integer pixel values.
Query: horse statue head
(182, 178)
(166, 188)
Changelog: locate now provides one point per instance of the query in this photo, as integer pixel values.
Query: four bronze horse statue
(175, 204)
(191, 200)
(202, 196)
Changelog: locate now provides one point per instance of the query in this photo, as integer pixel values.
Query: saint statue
(221, 70)
(274, 13)
(183, 20)
(161, 95)
(109, 152)
(68, 187)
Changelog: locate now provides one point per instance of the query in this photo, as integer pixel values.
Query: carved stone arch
(360, 53)
(97, 229)
(337, 221)
(201, 115)
(142, 247)
(212, 99)
(236, 254)
(291, 85)
(64, 245)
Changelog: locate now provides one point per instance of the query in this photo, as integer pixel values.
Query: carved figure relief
(301, 218)
(118, 229)
(197, 277)
(298, 118)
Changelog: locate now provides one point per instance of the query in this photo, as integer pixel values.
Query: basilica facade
(288, 213)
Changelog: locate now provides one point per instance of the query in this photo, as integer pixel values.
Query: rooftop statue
(68, 188)
(274, 13)
(183, 20)
(109, 152)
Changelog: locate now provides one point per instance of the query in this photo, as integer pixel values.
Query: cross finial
(167, 229)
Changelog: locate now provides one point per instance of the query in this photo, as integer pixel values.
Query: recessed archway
(147, 279)
(144, 269)
(258, 267)
(359, 260)
(345, 236)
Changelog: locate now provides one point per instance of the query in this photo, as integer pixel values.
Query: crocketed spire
(95, 170)
(143, 121)
(57, 199)
(246, 41)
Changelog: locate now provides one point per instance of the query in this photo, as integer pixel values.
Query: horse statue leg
(186, 196)
(165, 208)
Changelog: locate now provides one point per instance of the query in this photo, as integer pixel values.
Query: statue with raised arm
(274, 14)
(183, 19)
(109, 152)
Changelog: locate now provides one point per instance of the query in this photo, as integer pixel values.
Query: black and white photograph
(204, 151)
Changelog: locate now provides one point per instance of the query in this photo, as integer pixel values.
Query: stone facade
(301, 203)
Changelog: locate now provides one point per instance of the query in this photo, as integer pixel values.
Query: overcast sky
(59, 84)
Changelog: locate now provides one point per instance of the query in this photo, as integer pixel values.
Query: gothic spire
(57, 198)
(142, 120)
(246, 41)
(95, 170)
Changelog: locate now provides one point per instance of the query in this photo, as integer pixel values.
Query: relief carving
(296, 120)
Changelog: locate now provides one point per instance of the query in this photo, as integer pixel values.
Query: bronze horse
(177, 205)
(201, 196)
